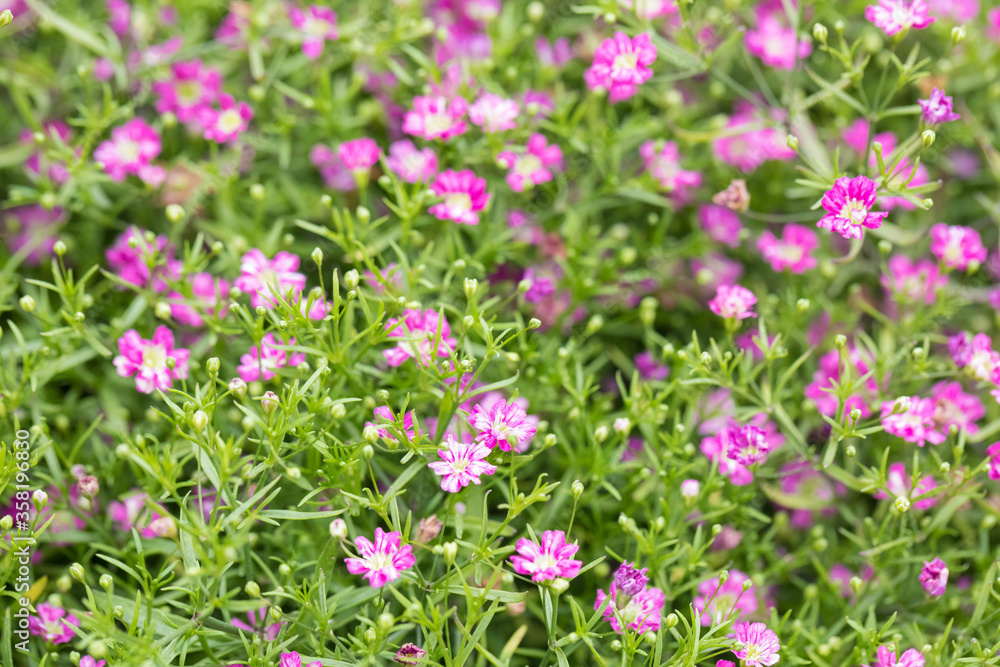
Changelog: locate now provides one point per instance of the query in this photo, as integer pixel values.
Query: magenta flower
(662, 161)
(776, 44)
(632, 605)
(501, 424)
(620, 65)
(263, 361)
(934, 577)
(551, 559)
(913, 281)
(937, 108)
(38, 163)
(227, 122)
(383, 561)
(135, 510)
(915, 424)
(191, 88)
(792, 252)
(89, 661)
(293, 659)
(649, 368)
(719, 603)
(147, 360)
(733, 301)
(760, 645)
(436, 118)
(409, 654)
(721, 224)
(494, 113)
(895, 16)
(268, 279)
(207, 292)
(954, 407)
(976, 355)
(462, 463)
(464, 196)
(886, 657)
(411, 164)
(713, 448)
(54, 624)
(800, 480)
(553, 54)
(359, 155)
(416, 332)
(130, 150)
(957, 247)
(138, 257)
(258, 624)
(829, 371)
(993, 456)
(748, 445)
(848, 207)
(993, 24)
(318, 24)
(335, 173)
(530, 167)
(384, 416)
(748, 149)
(32, 230)
(900, 485)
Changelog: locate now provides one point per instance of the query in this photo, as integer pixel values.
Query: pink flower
(263, 361)
(436, 118)
(88, 661)
(461, 464)
(551, 559)
(54, 624)
(359, 155)
(494, 113)
(934, 577)
(663, 164)
(690, 488)
(530, 167)
(738, 474)
(649, 9)
(335, 173)
(227, 122)
(715, 269)
(411, 164)
(993, 456)
(649, 368)
(886, 657)
(135, 510)
(464, 196)
(721, 224)
(413, 331)
(501, 424)
(829, 372)
(956, 246)
(268, 279)
(733, 301)
(760, 645)
(554, 54)
(793, 252)
(147, 360)
(130, 149)
(848, 207)
(799, 480)
(894, 16)
(318, 24)
(756, 143)
(383, 561)
(913, 281)
(409, 654)
(191, 88)
(32, 230)
(938, 108)
(632, 605)
(776, 44)
(899, 485)
(39, 163)
(953, 407)
(993, 24)
(977, 355)
(207, 292)
(915, 423)
(842, 575)
(748, 445)
(258, 624)
(719, 603)
(293, 659)
(620, 65)
(961, 11)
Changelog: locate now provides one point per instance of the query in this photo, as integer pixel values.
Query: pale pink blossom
(147, 360)
(494, 113)
(462, 463)
(385, 417)
(383, 561)
(886, 657)
(915, 423)
(53, 624)
(718, 603)
(293, 659)
(633, 604)
(207, 293)
(359, 155)
(733, 301)
(531, 166)
(317, 25)
(776, 43)
(335, 173)
(993, 456)
(411, 164)
(501, 424)
(955, 408)
(894, 16)
(464, 196)
(792, 252)
(136, 510)
(551, 559)
(760, 645)
(938, 108)
(191, 88)
(721, 224)
(415, 334)
(436, 117)
(957, 247)
(662, 160)
(913, 281)
(258, 624)
(620, 65)
(227, 122)
(266, 280)
(264, 361)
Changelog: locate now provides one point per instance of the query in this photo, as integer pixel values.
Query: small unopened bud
(534, 323)
(802, 305)
(275, 613)
(252, 589)
(854, 414)
(449, 550)
(40, 499)
(338, 411)
(671, 620)
(793, 142)
(27, 303)
(559, 586)
(269, 401)
(294, 472)
(577, 489)
(723, 577)
(363, 215)
(212, 365)
(851, 451)
(317, 256)
(840, 341)
(690, 488)
(622, 425)
(368, 452)
(238, 387)
(257, 192)
(199, 420)
(594, 324)
(77, 572)
(6, 16)
(927, 138)
(536, 11)
(820, 33)
(338, 529)
(902, 504)
(370, 434)
(471, 286)
(601, 433)
(106, 581)
(59, 248)
(901, 405)
(175, 213)
(958, 35)
(371, 635)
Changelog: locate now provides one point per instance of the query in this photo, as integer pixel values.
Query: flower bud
(671, 620)
(957, 35)
(257, 192)
(471, 285)
(793, 142)
(368, 452)
(601, 433)
(6, 16)
(59, 248)
(106, 581)
(275, 613)
(199, 420)
(175, 213)
(594, 324)
(559, 586)
(840, 341)
(6, 523)
(927, 138)
(534, 323)
(40, 499)
(317, 256)
(820, 33)
(27, 303)
(802, 305)
(363, 215)
(370, 635)
(77, 572)
(252, 589)
(449, 550)
(338, 529)
(238, 387)
(269, 401)
(577, 489)
(622, 425)
(902, 504)
(536, 11)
